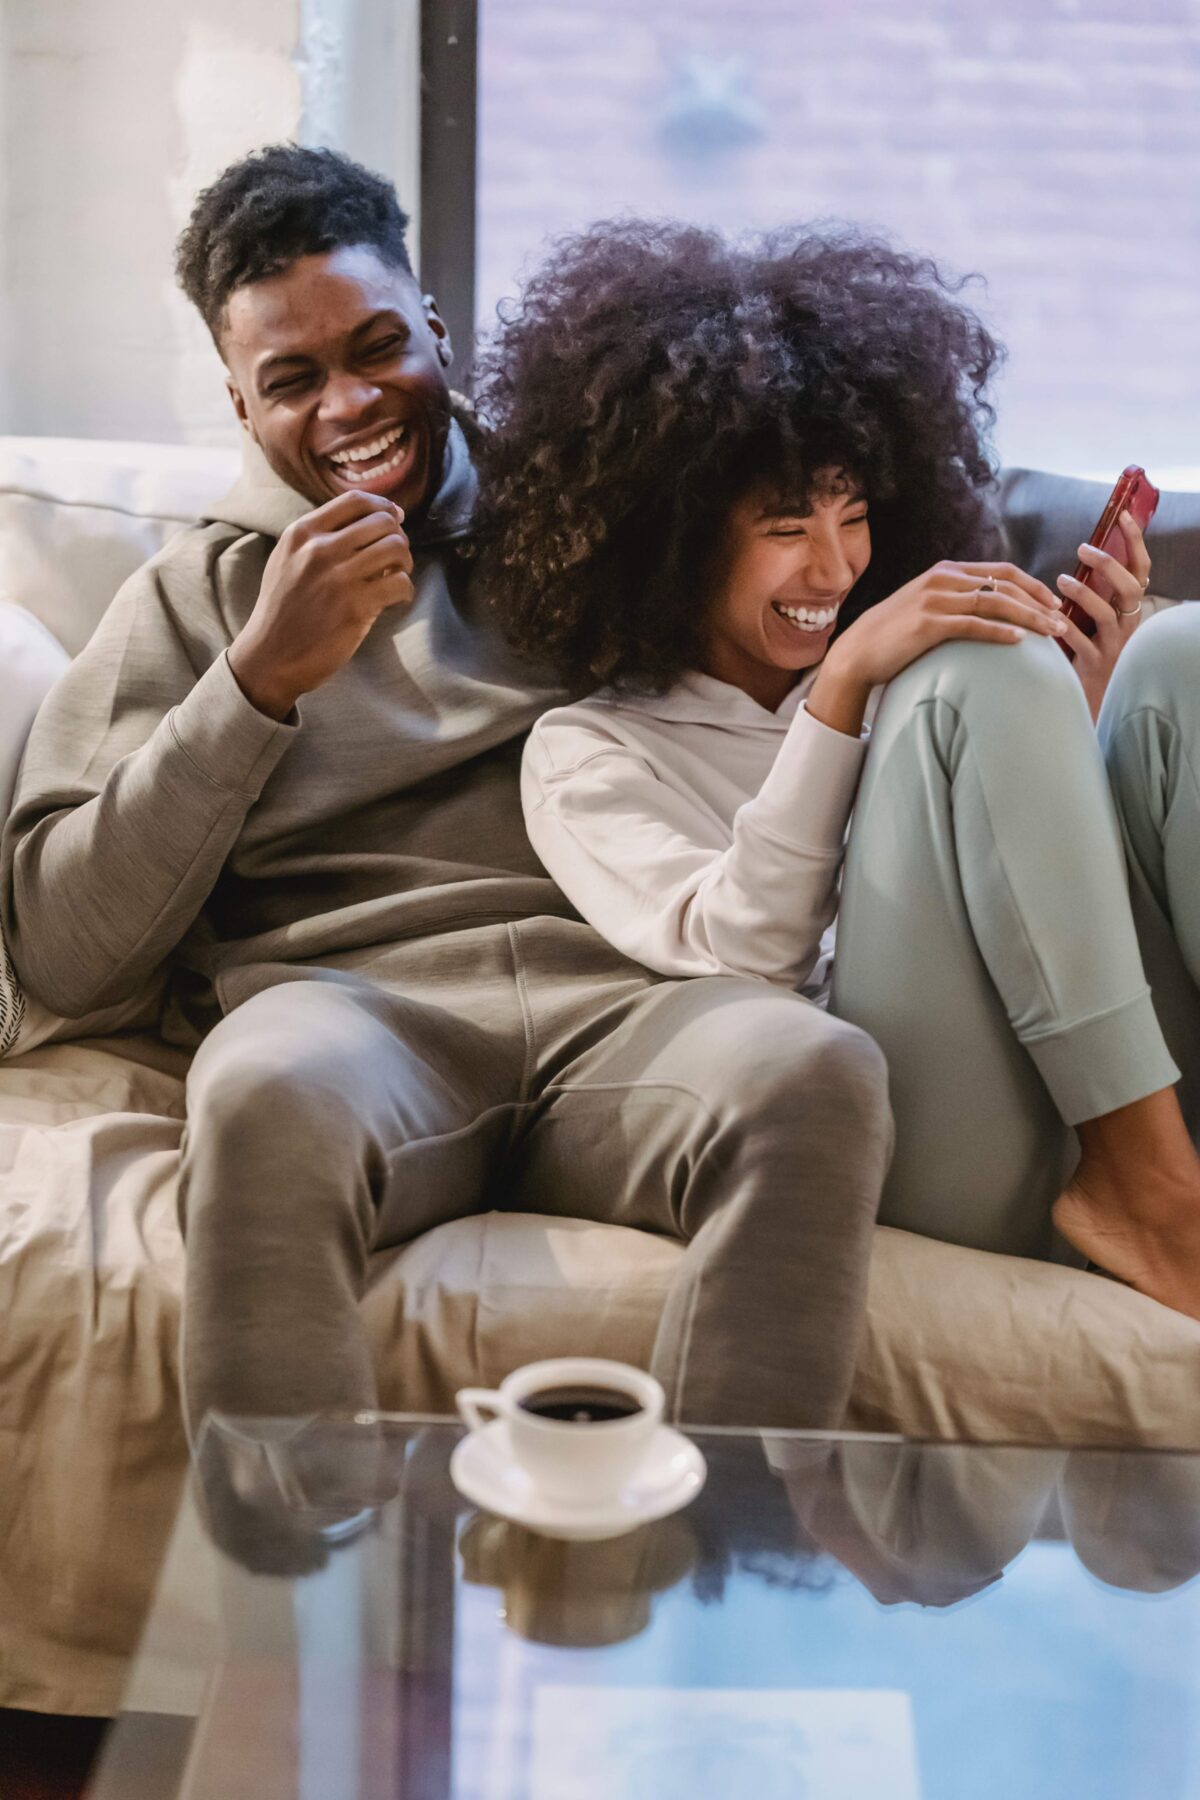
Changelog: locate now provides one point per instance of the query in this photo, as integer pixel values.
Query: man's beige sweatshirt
(164, 828)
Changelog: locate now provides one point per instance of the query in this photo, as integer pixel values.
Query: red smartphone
(1133, 494)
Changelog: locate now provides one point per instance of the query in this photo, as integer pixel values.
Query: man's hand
(326, 582)
(992, 603)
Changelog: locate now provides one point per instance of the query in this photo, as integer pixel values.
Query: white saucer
(483, 1468)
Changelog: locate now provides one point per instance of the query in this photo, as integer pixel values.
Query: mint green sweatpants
(986, 939)
(1150, 734)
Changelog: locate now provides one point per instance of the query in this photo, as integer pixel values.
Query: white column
(112, 115)
(360, 70)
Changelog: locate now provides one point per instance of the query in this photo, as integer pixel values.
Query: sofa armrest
(31, 661)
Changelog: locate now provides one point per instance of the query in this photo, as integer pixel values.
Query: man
(282, 778)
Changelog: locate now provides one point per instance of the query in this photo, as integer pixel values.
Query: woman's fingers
(1117, 584)
(1005, 601)
(1108, 624)
(1086, 653)
(1003, 622)
(976, 573)
(986, 631)
(1139, 556)
(1102, 584)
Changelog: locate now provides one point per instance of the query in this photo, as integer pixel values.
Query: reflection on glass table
(832, 1618)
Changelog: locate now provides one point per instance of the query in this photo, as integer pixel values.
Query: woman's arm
(654, 869)
(991, 603)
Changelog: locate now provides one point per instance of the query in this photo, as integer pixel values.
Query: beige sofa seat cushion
(471, 1300)
(958, 1344)
(92, 1456)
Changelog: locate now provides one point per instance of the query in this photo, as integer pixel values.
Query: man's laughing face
(337, 367)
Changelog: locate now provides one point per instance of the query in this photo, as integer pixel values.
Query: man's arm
(138, 774)
(147, 756)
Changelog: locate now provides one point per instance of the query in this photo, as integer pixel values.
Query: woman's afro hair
(652, 374)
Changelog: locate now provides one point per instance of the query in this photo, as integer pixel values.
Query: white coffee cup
(578, 1462)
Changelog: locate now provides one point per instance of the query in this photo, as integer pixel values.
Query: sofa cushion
(31, 661)
(78, 517)
(958, 1343)
(1047, 517)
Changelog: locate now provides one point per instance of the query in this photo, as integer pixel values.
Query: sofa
(957, 1344)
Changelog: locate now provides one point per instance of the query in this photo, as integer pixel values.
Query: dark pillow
(1047, 517)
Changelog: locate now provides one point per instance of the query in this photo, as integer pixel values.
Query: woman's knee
(1011, 684)
(1158, 670)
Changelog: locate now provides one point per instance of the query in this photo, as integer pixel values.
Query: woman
(720, 492)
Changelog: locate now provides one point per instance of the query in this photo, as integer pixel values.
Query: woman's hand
(1116, 605)
(994, 603)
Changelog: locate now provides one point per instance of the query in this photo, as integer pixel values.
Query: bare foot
(1151, 1240)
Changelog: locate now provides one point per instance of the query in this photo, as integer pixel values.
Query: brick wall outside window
(1052, 145)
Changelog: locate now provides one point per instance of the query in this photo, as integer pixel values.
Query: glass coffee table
(832, 1618)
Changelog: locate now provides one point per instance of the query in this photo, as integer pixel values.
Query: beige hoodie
(162, 825)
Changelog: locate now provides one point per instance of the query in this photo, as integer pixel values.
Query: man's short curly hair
(652, 374)
(274, 206)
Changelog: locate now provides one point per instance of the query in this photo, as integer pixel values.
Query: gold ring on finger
(987, 587)
(1128, 612)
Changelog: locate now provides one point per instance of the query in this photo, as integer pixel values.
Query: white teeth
(385, 468)
(366, 452)
(808, 618)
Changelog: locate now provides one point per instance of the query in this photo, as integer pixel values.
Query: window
(1050, 145)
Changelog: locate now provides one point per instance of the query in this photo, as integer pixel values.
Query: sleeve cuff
(231, 743)
(809, 794)
(1099, 1064)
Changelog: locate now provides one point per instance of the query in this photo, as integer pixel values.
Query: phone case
(1133, 493)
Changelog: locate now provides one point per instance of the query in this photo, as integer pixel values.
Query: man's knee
(272, 1146)
(793, 1062)
(251, 1094)
(263, 1095)
(803, 1125)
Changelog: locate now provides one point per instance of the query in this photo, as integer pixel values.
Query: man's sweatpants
(529, 1066)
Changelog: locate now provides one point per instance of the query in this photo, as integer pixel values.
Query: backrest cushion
(32, 659)
(1047, 517)
(77, 517)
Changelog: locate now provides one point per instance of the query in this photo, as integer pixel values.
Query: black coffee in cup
(580, 1405)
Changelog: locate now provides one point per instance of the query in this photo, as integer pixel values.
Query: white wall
(112, 114)
(5, 248)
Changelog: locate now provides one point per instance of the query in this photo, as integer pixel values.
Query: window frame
(448, 139)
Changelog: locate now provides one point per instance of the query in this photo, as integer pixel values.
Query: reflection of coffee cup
(579, 1426)
(581, 1595)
